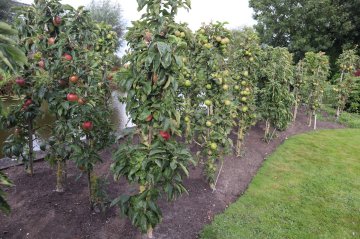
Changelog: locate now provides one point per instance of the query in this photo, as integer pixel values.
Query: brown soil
(39, 212)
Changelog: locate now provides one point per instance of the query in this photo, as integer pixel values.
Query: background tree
(308, 25)
(110, 13)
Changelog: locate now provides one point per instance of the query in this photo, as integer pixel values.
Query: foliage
(109, 13)
(347, 62)
(353, 102)
(10, 56)
(276, 99)
(4, 181)
(304, 26)
(291, 198)
(158, 162)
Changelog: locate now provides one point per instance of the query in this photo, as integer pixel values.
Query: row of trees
(186, 84)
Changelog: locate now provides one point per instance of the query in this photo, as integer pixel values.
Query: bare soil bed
(39, 212)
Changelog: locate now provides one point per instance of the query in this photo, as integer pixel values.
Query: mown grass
(309, 188)
(347, 119)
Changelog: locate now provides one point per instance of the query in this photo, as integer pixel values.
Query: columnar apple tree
(245, 70)
(67, 72)
(155, 161)
(276, 98)
(214, 100)
(31, 88)
(299, 84)
(316, 71)
(348, 61)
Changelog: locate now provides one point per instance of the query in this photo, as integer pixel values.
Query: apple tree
(299, 87)
(155, 160)
(212, 96)
(245, 70)
(316, 71)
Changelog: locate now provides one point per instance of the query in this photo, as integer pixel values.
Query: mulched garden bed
(39, 212)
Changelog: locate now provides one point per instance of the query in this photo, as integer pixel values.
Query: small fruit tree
(245, 70)
(316, 71)
(158, 162)
(68, 73)
(31, 86)
(275, 96)
(348, 61)
(299, 84)
(212, 95)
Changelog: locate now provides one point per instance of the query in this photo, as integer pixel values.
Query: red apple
(51, 41)
(41, 64)
(149, 118)
(74, 78)
(68, 57)
(72, 97)
(57, 20)
(62, 83)
(28, 102)
(165, 135)
(81, 101)
(357, 73)
(20, 81)
(87, 125)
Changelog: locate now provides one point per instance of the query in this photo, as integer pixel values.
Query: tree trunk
(338, 112)
(310, 119)
(315, 121)
(61, 175)
(295, 110)
(30, 165)
(90, 190)
(267, 129)
(240, 138)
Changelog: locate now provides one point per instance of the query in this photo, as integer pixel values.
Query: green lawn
(309, 188)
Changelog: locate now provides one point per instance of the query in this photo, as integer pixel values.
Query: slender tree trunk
(30, 166)
(90, 190)
(340, 104)
(338, 112)
(61, 175)
(150, 135)
(267, 129)
(310, 118)
(240, 138)
(295, 110)
(315, 121)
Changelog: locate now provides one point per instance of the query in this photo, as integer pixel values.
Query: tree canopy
(308, 25)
